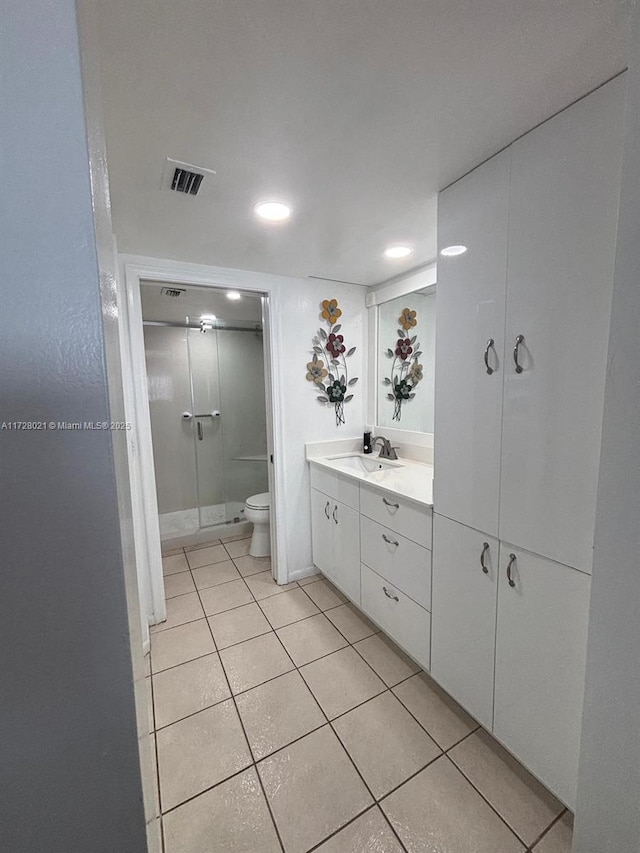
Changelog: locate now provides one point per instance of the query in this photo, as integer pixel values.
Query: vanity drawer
(401, 618)
(401, 515)
(342, 489)
(398, 559)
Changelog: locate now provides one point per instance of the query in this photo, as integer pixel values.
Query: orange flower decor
(330, 310)
(316, 371)
(408, 319)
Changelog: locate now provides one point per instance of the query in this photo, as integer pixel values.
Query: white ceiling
(356, 111)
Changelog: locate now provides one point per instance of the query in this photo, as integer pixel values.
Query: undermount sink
(363, 464)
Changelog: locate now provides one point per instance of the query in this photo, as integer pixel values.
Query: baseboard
(300, 574)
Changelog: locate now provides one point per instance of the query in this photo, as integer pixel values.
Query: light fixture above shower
(207, 321)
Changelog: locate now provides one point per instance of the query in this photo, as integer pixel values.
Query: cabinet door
(470, 312)
(541, 643)
(346, 550)
(322, 531)
(565, 180)
(463, 615)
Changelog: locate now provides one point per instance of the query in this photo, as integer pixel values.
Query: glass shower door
(208, 426)
(242, 395)
(226, 369)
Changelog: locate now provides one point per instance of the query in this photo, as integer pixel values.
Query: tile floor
(284, 721)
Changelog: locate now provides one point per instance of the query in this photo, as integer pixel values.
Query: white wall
(608, 809)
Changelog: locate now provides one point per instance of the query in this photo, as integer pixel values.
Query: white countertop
(403, 477)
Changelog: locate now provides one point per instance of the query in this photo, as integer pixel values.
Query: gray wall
(69, 773)
(608, 810)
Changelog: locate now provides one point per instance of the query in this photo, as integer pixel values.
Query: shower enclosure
(208, 421)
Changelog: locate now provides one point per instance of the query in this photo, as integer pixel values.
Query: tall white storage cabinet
(563, 207)
(470, 345)
(517, 438)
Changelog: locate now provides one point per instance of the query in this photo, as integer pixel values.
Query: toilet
(257, 509)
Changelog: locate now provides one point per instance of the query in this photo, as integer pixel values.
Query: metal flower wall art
(328, 368)
(406, 371)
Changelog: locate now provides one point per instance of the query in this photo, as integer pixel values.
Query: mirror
(406, 361)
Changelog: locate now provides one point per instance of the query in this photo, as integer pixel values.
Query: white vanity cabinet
(396, 569)
(335, 530)
(377, 550)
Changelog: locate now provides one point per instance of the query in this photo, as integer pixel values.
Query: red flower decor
(335, 345)
(404, 348)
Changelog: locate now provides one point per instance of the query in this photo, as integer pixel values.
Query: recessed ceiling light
(234, 295)
(452, 251)
(272, 211)
(398, 251)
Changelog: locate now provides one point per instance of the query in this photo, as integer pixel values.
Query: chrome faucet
(386, 451)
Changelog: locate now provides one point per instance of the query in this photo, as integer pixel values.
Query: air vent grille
(185, 178)
(186, 182)
(174, 292)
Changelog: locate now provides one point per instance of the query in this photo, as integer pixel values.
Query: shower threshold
(191, 527)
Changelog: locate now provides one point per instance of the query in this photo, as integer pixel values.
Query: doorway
(239, 475)
(205, 367)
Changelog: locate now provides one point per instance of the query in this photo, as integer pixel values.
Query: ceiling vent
(184, 178)
(174, 292)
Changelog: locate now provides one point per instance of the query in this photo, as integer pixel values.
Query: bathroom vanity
(372, 531)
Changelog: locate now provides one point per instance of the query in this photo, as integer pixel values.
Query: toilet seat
(261, 501)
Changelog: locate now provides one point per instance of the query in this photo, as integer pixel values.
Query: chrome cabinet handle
(490, 345)
(519, 340)
(199, 430)
(389, 541)
(512, 559)
(326, 509)
(390, 503)
(389, 595)
(485, 548)
(335, 513)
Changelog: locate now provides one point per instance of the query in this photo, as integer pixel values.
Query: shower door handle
(199, 430)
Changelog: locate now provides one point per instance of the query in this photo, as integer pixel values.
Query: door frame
(146, 526)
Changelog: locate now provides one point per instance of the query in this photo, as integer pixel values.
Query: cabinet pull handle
(519, 340)
(335, 513)
(390, 595)
(389, 541)
(326, 509)
(490, 344)
(512, 559)
(199, 430)
(485, 548)
(390, 503)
